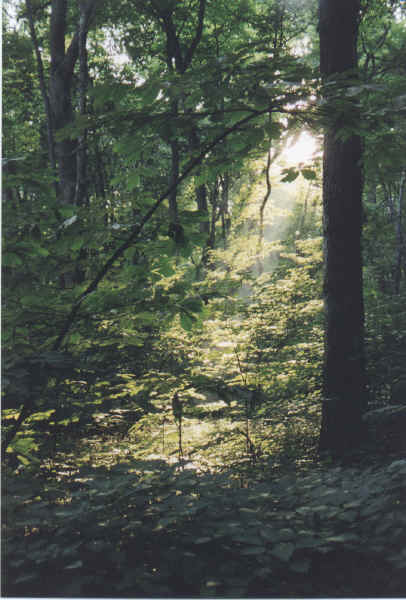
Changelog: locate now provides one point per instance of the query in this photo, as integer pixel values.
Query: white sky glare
(300, 151)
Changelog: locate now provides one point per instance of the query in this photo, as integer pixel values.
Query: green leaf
(78, 243)
(202, 540)
(34, 249)
(67, 210)
(145, 318)
(343, 537)
(309, 174)
(133, 181)
(192, 304)
(273, 130)
(75, 338)
(149, 91)
(290, 175)
(26, 577)
(166, 268)
(252, 550)
(186, 322)
(212, 583)
(11, 259)
(283, 551)
(76, 565)
(301, 565)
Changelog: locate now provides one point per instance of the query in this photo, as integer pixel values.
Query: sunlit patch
(302, 150)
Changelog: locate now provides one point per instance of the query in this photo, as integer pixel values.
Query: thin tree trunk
(44, 91)
(262, 211)
(131, 240)
(178, 59)
(173, 204)
(81, 156)
(201, 191)
(305, 209)
(214, 202)
(344, 378)
(399, 235)
(225, 215)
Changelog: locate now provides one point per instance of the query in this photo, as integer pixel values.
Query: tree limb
(198, 36)
(132, 239)
(134, 235)
(73, 50)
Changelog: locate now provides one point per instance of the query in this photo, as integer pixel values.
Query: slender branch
(10, 435)
(269, 161)
(266, 197)
(198, 36)
(132, 238)
(173, 46)
(73, 50)
(134, 235)
(173, 49)
(242, 374)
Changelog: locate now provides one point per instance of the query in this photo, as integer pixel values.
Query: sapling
(177, 409)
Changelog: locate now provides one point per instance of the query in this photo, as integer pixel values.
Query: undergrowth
(144, 528)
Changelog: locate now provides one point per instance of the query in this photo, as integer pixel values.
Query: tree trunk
(60, 84)
(44, 92)
(60, 99)
(178, 59)
(399, 235)
(344, 387)
(201, 191)
(225, 213)
(260, 246)
(81, 196)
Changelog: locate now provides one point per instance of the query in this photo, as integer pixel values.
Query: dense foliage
(163, 322)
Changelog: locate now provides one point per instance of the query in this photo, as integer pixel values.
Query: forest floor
(106, 517)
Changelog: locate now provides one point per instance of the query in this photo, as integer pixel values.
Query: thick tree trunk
(60, 83)
(344, 393)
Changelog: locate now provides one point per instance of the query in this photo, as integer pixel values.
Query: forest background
(167, 360)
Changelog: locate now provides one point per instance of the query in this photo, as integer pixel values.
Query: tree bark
(81, 156)
(225, 213)
(344, 378)
(44, 91)
(399, 235)
(260, 263)
(131, 240)
(60, 84)
(178, 59)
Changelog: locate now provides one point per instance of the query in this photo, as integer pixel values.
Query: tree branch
(173, 49)
(198, 36)
(73, 50)
(132, 238)
(134, 235)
